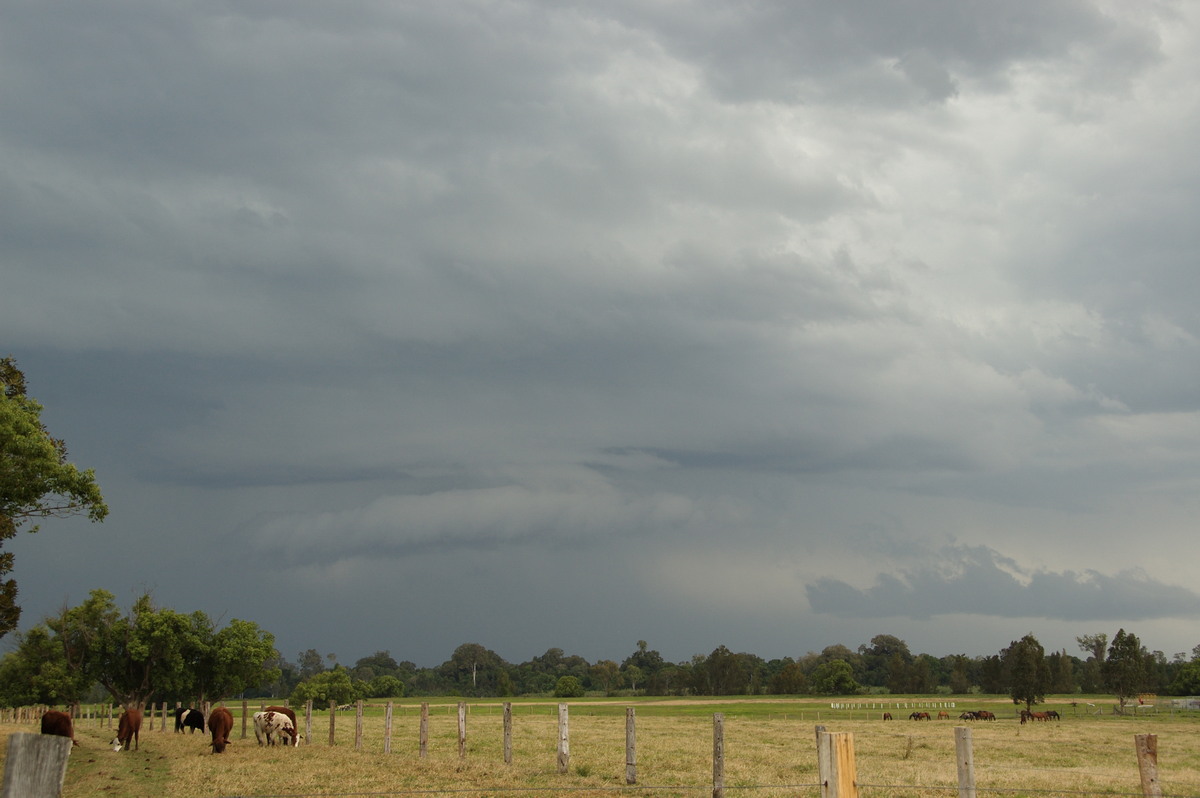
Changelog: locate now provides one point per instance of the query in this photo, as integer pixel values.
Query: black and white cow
(189, 718)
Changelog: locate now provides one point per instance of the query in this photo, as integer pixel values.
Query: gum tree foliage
(1090, 678)
(384, 686)
(789, 679)
(36, 672)
(332, 685)
(646, 666)
(1028, 671)
(1187, 679)
(142, 654)
(886, 663)
(607, 674)
(568, 687)
(834, 677)
(1124, 669)
(36, 481)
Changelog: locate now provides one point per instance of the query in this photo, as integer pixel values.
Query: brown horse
(887, 715)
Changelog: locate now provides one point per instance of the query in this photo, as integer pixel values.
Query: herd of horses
(981, 714)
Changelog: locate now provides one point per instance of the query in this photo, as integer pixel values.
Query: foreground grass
(769, 746)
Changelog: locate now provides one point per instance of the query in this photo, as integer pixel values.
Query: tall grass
(770, 750)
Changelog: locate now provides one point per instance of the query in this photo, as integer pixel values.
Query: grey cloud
(556, 512)
(978, 580)
(346, 284)
(840, 53)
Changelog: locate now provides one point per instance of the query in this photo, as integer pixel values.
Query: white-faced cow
(189, 719)
(129, 728)
(269, 725)
(220, 723)
(292, 716)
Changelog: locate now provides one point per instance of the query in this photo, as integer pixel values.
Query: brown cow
(129, 727)
(291, 714)
(55, 722)
(220, 723)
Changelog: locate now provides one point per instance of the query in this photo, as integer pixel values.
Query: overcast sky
(772, 324)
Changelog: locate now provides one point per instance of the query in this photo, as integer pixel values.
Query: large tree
(1124, 669)
(145, 653)
(1027, 669)
(36, 481)
(886, 662)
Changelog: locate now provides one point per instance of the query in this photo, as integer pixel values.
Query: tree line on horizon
(149, 654)
(885, 666)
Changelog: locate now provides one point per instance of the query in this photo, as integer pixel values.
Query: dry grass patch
(766, 755)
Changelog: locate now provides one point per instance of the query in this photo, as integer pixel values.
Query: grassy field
(770, 750)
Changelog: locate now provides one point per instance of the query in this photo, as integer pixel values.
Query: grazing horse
(985, 714)
(1053, 714)
(943, 715)
(919, 716)
(887, 715)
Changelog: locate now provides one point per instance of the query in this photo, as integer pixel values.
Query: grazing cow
(220, 723)
(887, 715)
(129, 727)
(943, 716)
(292, 716)
(919, 716)
(189, 719)
(59, 723)
(268, 725)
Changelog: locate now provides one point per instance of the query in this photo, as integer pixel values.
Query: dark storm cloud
(389, 293)
(976, 580)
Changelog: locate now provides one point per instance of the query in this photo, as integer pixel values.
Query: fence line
(835, 751)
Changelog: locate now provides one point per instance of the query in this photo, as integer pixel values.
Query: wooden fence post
(387, 729)
(462, 730)
(332, 720)
(564, 740)
(823, 766)
(358, 725)
(35, 765)
(1146, 746)
(508, 732)
(718, 755)
(245, 715)
(966, 762)
(843, 777)
(630, 747)
(307, 721)
(423, 743)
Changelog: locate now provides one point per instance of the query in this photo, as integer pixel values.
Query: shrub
(568, 687)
